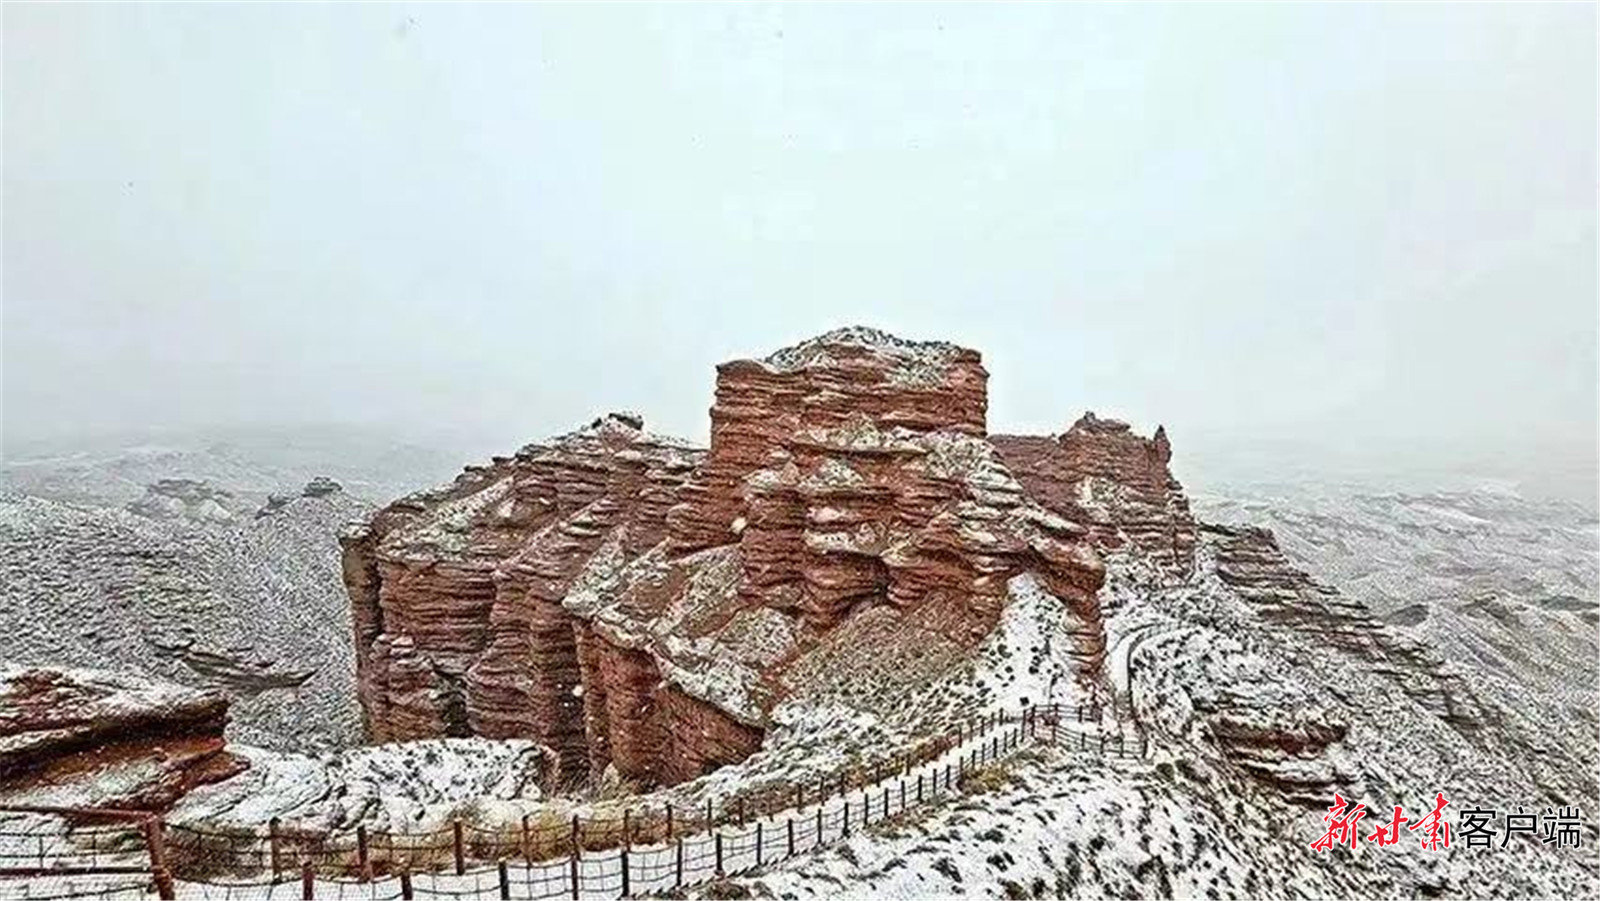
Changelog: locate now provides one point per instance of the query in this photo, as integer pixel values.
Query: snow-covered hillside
(252, 605)
(1382, 646)
(1392, 550)
(1264, 692)
(250, 464)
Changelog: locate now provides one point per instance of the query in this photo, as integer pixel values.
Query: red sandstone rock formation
(78, 738)
(632, 602)
(1099, 473)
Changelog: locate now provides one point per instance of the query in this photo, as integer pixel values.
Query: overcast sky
(1361, 230)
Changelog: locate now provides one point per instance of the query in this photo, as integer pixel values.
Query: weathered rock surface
(1249, 560)
(82, 738)
(630, 601)
(253, 607)
(1117, 484)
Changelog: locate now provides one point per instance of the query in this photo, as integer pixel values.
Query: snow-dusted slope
(1506, 588)
(247, 463)
(1394, 549)
(253, 606)
(1263, 692)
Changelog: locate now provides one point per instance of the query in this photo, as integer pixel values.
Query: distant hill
(252, 604)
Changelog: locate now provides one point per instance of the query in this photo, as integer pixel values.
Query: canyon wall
(1117, 484)
(637, 604)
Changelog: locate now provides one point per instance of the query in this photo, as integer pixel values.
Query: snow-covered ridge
(928, 358)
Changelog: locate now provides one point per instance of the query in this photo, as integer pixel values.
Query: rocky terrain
(191, 583)
(1263, 689)
(632, 602)
(612, 617)
(76, 738)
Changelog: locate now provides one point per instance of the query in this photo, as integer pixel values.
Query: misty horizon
(1362, 241)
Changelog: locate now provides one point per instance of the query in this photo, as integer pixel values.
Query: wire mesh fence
(71, 853)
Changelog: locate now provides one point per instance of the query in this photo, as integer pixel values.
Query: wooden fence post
(720, 873)
(847, 816)
(459, 846)
(627, 845)
(758, 843)
(505, 883)
(678, 862)
(308, 881)
(669, 822)
(155, 840)
(363, 854)
(274, 847)
(527, 841)
(790, 829)
(819, 826)
(577, 844)
(405, 882)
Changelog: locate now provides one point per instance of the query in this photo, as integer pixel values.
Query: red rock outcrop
(1119, 485)
(80, 738)
(634, 603)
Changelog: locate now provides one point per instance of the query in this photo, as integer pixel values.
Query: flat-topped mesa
(636, 604)
(847, 374)
(1099, 473)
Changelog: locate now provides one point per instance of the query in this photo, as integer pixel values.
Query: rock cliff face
(1116, 483)
(81, 738)
(632, 602)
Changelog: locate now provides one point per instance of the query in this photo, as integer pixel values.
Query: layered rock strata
(1249, 560)
(1116, 483)
(87, 739)
(634, 603)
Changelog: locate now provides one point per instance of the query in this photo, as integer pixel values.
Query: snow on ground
(1065, 824)
(254, 607)
(405, 787)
